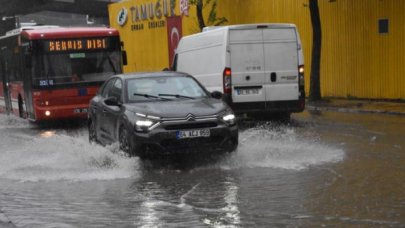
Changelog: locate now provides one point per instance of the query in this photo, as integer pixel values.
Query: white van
(258, 67)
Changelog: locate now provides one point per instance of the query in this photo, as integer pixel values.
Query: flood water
(332, 169)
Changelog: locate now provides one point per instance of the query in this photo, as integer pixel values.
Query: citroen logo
(190, 117)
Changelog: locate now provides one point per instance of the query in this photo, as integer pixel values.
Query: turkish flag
(174, 34)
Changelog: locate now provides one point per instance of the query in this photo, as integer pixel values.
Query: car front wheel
(125, 141)
(92, 132)
(233, 145)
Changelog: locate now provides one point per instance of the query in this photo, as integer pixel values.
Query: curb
(351, 110)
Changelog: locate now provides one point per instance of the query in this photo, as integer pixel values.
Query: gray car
(161, 113)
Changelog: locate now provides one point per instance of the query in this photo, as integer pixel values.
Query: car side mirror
(216, 94)
(112, 101)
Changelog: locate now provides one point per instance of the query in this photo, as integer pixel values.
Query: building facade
(362, 41)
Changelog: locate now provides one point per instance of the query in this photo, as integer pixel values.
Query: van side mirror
(124, 58)
(216, 95)
(112, 101)
(174, 65)
(28, 61)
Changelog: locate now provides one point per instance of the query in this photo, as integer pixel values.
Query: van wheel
(284, 116)
(21, 110)
(125, 142)
(272, 116)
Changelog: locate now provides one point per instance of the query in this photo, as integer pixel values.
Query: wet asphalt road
(331, 169)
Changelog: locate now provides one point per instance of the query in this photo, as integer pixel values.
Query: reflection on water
(187, 199)
(367, 189)
(328, 169)
(47, 134)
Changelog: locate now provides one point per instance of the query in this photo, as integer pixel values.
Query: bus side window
(28, 61)
(17, 64)
(1, 70)
(13, 66)
(26, 54)
(27, 57)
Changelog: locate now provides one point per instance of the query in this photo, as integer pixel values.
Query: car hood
(178, 108)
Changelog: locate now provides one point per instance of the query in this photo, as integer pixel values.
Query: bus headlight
(47, 113)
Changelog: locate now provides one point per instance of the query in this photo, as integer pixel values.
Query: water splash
(65, 155)
(281, 147)
(7, 121)
(59, 156)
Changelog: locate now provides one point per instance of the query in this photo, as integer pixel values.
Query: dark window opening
(383, 26)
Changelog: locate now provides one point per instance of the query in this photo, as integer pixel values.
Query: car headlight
(228, 117)
(146, 123)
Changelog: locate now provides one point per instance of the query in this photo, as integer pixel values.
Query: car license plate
(249, 91)
(80, 110)
(193, 133)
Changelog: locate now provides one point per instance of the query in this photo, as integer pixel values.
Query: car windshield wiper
(175, 95)
(150, 96)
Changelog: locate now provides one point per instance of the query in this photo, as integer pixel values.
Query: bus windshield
(75, 67)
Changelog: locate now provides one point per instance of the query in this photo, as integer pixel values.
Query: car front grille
(190, 125)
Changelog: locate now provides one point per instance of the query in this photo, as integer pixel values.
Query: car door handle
(104, 110)
(273, 77)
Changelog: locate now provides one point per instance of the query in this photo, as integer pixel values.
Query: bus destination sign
(86, 44)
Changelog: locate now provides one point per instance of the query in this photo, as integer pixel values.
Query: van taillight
(301, 75)
(227, 81)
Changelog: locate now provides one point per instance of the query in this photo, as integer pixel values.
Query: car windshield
(153, 88)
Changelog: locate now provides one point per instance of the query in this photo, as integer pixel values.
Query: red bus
(50, 72)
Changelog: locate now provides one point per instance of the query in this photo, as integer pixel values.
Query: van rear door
(247, 64)
(281, 64)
